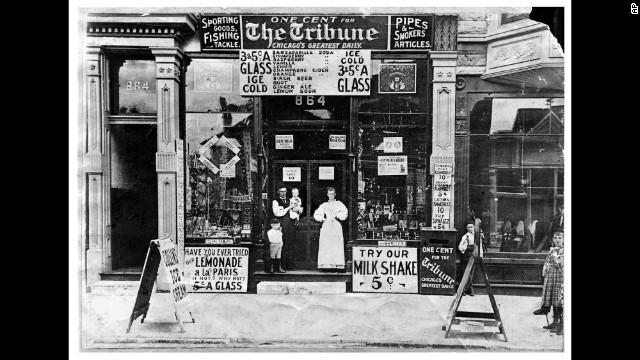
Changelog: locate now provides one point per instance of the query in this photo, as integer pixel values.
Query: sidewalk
(353, 321)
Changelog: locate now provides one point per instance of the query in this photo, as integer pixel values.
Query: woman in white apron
(331, 243)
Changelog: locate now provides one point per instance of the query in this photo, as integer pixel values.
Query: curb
(244, 343)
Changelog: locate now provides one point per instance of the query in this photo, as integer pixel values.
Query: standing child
(296, 202)
(275, 247)
(553, 282)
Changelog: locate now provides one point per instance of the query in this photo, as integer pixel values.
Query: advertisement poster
(437, 269)
(337, 142)
(411, 32)
(169, 255)
(392, 165)
(331, 32)
(385, 269)
(392, 144)
(220, 32)
(397, 79)
(291, 174)
(213, 77)
(326, 172)
(284, 142)
(228, 170)
(305, 72)
(216, 269)
(441, 195)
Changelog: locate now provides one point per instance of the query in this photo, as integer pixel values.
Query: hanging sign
(385, 270)
(392, 165)
(291, 174)
(217, 269)
(441, 196)
(308, 72)
(397, 79)
(392, 144)
(284, 142)
(208, 164)
(337, 142)
(325, 172)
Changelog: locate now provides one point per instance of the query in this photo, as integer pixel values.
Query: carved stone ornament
(460, 83)
(518, 51)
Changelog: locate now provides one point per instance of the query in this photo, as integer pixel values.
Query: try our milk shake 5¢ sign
(385, 269)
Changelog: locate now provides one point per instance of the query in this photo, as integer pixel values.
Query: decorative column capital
(168, 63)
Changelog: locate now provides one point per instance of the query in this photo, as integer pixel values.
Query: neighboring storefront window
(516, 165)
(394, 137)
(220, 167)
(133, 87)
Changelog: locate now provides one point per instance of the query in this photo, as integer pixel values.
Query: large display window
(220, 168)
(516, 164)
(394, 148)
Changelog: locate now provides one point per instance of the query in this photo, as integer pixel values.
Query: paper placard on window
(326, 173)
(284, 142)
(392, 144)
(228, 170)
(203, 149)
(291, 174)
(228, 143)
(234, 160)
(208, 164)
(337, 142)
(392, 165)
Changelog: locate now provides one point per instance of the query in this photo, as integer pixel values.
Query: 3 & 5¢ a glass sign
(312, 55)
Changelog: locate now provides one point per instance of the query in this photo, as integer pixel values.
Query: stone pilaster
(168, 68)
(444, 95)
(93, 155)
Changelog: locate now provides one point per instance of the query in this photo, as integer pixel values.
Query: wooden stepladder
(161, 251)
(479, 318)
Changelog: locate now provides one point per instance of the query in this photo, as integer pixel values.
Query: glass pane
(309, 107)
(137, 87)
(400, 102)
(215, 198)
(393, 119)
(393, 203)
(543, 151)
(212, 85)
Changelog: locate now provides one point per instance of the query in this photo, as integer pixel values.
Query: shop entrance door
(312, 178)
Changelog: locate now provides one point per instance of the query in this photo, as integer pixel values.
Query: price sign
(441, 195)
(305, 72)
(385, 269)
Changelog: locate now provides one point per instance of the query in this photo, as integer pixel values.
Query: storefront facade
(192, 121)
